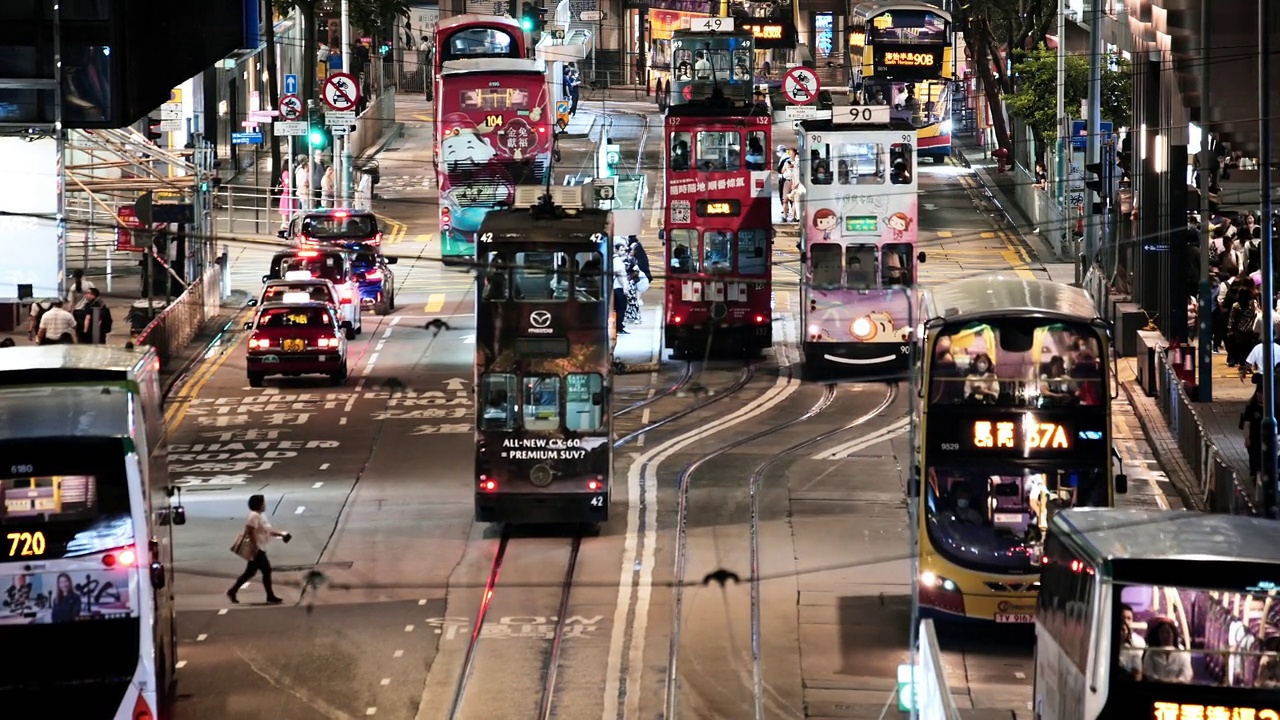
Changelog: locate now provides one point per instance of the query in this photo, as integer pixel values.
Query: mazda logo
(540, 318)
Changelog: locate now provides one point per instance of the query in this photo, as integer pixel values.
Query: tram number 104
(26, 544)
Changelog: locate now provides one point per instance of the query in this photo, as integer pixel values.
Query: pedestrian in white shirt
(328, 184)
(302, 184)
(56, 325)
(619, 285)
(1254, 360)
(259, 532)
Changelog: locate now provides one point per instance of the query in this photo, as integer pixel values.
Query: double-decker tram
(1156, 614)
(1015, 426)
(859, 226)
(718, 227)
(706, 62)
(906, 53)
(544, 331)
(86, 553)
(477, 37)
(494, 136)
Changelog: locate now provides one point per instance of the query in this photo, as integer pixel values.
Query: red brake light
(593, 484)
(487, 484)
(759, 319)
(126, 557)
(541, 129)
(142, 711)
(340, 213)
(676, 319)
(308, 253)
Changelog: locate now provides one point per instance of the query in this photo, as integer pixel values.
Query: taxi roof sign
(298, 275)
(294, 298)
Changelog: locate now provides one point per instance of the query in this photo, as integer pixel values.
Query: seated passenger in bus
(680, 155)
(821, 172)
(1086, 375)
(980, 380)
(1269, 666)
(682, 259)
(946, 377)
(1056, 388)
(1132, 645)
(755, 154)
(893, 271)
(495, 280)
(1164, 661)
(900, 175)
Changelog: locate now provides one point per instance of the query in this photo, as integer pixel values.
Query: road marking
(202, 637)
(300, 509)
(386, 333)
(422, 602)
(381, 344)
(398, 653)
(181, 407)
(385, 681)
(945, 234)
(395, 320)
(325, 466)
(408, 628)
(640, 573)
(342, 421)
(435, 303)
(368, 368)
(223, 611)
(180, 664)
(371, 711)
(846, 449)
(425, 237)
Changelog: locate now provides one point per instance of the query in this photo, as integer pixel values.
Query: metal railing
(1217, 486)
(245, 210)
(933, 699)
(177, 325)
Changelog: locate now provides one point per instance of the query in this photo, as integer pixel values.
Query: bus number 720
(32, 543)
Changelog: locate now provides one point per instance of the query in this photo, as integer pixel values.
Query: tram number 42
(597, 501)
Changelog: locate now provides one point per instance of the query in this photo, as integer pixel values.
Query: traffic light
(153, 131)
(317, 133)
(1098, 179)
(532, 17)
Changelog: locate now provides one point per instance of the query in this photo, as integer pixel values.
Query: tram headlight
(863, 328)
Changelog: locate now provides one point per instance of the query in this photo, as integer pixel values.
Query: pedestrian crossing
(394, 186)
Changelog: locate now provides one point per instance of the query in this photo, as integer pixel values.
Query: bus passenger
(1164, 661)
(1131, 644)
(702, 65)
(1055, 387)
(680, 155)
(1086, 375)
(945, 375)
(980, 380)
(497, 414)
(755, 154)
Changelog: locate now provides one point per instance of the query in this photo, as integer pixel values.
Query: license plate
(322, 358)
(294, 345)
(1015, 618)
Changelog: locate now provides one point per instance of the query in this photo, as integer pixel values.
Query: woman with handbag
(249, 545)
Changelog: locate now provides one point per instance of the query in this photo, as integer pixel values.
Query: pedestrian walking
(249, 545)
(620, 286)
(96, 324)
(288, 204)
(302, 183)
(56, 325)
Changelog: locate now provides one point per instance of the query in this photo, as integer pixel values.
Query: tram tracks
(761, 694)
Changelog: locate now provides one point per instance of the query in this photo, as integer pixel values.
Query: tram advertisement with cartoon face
(495, 134)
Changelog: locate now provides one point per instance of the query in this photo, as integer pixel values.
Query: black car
(334, 227)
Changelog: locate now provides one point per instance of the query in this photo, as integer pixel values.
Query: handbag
(243, 546)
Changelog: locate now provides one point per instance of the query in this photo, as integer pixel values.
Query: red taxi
(296, 337)
(333, 265)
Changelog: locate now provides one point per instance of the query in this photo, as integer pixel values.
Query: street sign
(562, 114)
(591, 15)
(172, 125)
(263, 116)
(246, 138)
(1080, 133)
(907, 691)
(124, 236)
(862, 114)
(291, 106)
(340, 129)
(290, 84)
(340, 91)
(171, 111)
(340, 117)
(800, 85)
(711, 24)
(805, 112)
(290, 129)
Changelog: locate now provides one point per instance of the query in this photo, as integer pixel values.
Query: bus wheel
(255, 379)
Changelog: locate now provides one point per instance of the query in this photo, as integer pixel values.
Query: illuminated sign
(719, 208)
(772, 35)
(26, 544)
(1034, 435)
(493, 120)
(1024, 434)
(910, 59)
(861, 223)
(857, 39)
(766, 32)
(906, 61)
(1188, 711)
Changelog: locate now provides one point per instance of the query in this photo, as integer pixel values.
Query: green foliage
(1036, 97)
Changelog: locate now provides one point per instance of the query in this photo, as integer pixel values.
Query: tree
(1036, 99)
(995, 28)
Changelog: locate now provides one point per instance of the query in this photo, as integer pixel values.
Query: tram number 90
(597, 501)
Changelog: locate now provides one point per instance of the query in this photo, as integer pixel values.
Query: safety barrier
(177, 325)
(933, 699)
(1217, 487)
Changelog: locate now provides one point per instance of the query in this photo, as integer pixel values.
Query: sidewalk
(1215, 422)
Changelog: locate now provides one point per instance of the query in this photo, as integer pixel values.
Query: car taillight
(327, 342)
(488, 484)
(676, 319)
(347, 294)
(341, 213)
(257, 343)
(373, 275)
(759, 319)
(308, 254)
(124, 557)
(141, 710)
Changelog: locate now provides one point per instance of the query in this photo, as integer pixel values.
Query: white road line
(360, 386)
(640, 574)
(300, 509)
(408, 628)
(202, 637)
(386, 333)
(181, 664)
(398, 653)
(395, 320)
(324, 466)
(371, 711)
(846, 449)
(422, 602)
(368, 367)
(318, 485)
(342, 421)
(385, 681)
(351, 401)
(223, 611)
(381, 344)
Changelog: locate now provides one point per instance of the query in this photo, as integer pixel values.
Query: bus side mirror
(253, 302)
(662, 235)
(1122, 484)
(179, 515)
(265, 278)
(804, 257)
(283, 234)
(920, 257)
(391, 260)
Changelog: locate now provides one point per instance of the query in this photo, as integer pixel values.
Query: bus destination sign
(1024, 435)
(909, 62)
(772, 35)
(719, 208)
(1190, 711)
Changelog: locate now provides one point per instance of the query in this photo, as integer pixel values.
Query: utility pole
(1268, 260)
(1204, 381)
(344, 177)
(1064, 126)
(1093, 127)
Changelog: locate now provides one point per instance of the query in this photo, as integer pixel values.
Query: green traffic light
(317, 138)
(527, 24)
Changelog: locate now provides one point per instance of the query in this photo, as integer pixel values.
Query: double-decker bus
(494, 135)
(706, 62)
(1158, 614)
(859, 226)
(544, 332)
(907, 62)
(477, 37)
(718, 227)
(1015, 426)
(86, 559)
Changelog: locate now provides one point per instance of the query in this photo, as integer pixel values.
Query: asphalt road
(386, 571)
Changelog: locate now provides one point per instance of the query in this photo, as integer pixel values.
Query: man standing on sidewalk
(96, 324)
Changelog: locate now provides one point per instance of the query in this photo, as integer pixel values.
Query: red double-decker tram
(718, 228)
(471, 37)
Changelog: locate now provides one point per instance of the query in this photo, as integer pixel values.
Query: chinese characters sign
(1184, 711)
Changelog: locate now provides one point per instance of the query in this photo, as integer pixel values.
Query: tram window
(900, 157)
(587, 281)
(498, 396)
(479, 41)
(895, 264)
(863, 164)
(825, 266)
(496, 278)
(753, 252)
(860, 265)
(684, 250)
(679, 151)
(819, 167)
(540, 277)
(757, 151)
(717, 245)
(541, 403)
(742, 66)
(719, 151)
(583, 402)
(683, 63)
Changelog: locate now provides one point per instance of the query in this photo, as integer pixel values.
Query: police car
(316, 290)
(332, 265)
(297, 336)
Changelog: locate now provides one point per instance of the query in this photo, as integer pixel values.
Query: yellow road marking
(987, 235)
(196, 385)
(945, 234)
(425, 237)
(435, 303)
(424, 117)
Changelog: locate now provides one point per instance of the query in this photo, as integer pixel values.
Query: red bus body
(718, 228)
(495, 134)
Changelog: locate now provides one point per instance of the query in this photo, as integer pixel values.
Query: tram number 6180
(597, 501)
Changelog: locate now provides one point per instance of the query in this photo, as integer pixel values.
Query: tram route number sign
(801, 85)
(711, 24)
(862, 114)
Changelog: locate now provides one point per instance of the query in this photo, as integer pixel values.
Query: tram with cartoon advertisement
(906, 52)
(717, 228)
(1015, 426)
(859, 227)
(477, 37)
(86, 562)
(544, 339)
(494, 135)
